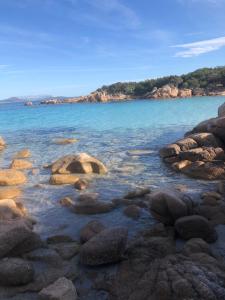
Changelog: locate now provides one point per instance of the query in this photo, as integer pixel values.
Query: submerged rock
(90, 230)
(132, 211)
(61, 289)
(81, 184)
(11, 177)
(106, 247)
(59, 179)
(24, 153)
(65, 141)
(81, 163)
(21, 164)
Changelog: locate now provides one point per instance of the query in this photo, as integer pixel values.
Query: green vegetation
(210, 79)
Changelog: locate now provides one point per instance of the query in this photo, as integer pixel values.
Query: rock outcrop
(78, 164)
(200, 154)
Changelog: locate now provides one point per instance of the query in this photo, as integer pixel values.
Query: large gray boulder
(15, 271)
(12, 234)
(168, 206)
(106, 247)
(195, 226)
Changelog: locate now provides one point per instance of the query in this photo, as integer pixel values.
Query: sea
(125, 136)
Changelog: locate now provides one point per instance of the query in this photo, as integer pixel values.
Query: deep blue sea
(113, 132)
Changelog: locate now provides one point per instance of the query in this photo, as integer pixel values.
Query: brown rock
(21, 164)
(195, 226)
(9, 193)
(67, 202)
(2, 143)
(11, 177)
(59, 179)
(185, 93)
(208, 171)
(81, 163)
(138, 193)
(25, 153)
(81, 184)
(206, 139)
(178, 166)
(170, 150)
(167, 206)
(9, 209)
(106, 247)
(132, 211)
(187, 144)
(90, 230)
(65, 141)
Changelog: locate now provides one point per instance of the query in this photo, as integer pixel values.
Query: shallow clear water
(110, 132)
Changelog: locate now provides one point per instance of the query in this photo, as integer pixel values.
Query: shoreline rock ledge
(200, 154)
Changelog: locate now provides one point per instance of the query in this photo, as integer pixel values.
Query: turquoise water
(112, 132)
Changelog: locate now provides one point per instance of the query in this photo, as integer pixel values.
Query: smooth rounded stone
(11, 177)
(81, 184)
(195, 226)
(139, 192)
(24, 153)
(61, 289)
(10, 193)
(106, 247)
(46, 255)
(196, 245)
(90, 230)
(207, 171)
(81, 163)
(214, 213)
(132, 211)
(67, 249)
(2, 142)
(89, 207)
(88, 197)
(9, 209)
(27, 245)
(15, 272)
(206, 139)
(187, 144)
(167, 206)
(21, 164)
(178, 166)
(60, 179)
(12, 233)
(170, 150)
(65, 141)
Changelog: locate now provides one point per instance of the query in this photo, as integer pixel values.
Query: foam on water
(112, 132)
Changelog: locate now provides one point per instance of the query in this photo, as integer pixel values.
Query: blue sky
(72, 47)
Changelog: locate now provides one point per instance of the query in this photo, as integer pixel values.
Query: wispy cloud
(201, 47)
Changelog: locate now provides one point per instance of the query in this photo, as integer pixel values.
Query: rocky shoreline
(165, 92)
(173, 259)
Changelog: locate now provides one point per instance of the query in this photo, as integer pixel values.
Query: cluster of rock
(169, 91)
(100, 96)
(200, 154)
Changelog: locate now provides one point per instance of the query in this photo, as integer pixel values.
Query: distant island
(202, 82)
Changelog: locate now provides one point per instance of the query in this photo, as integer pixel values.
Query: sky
(72, 47)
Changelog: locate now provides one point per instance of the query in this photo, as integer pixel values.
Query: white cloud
(201, 47)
